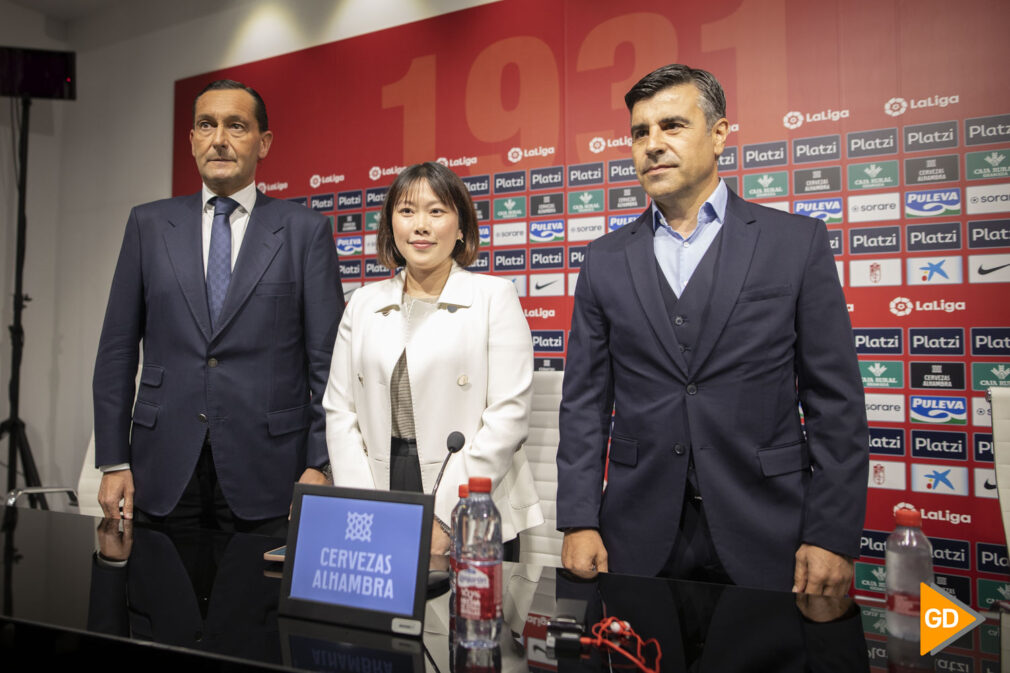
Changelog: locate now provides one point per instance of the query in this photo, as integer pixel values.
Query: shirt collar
(246, 196)
(714, 209)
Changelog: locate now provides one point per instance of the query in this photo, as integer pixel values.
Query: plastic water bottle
(478, 569)
(909, 562)
(455, 543)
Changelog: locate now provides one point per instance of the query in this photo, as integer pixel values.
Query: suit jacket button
(462, 380)
(679, 320)
(451, 309)
(691, 389)
(679, 449)
(212, 362)
(202, 418)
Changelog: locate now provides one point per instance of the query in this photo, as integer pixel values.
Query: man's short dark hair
(259, 109)
(711, 98)
(450, 190)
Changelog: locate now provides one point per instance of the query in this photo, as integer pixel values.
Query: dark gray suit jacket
(255, 381)
(777, 335)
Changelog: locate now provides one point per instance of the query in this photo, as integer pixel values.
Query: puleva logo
(933, 203)
(547, 232)
(901, 306)
(938, 410)
(896, 106)
(942, 619)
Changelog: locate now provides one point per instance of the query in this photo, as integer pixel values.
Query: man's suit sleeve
(586, 407)
(831, 394)
(324, 305)
(114, 382)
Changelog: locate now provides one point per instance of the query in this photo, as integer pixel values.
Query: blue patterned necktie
(219, 255)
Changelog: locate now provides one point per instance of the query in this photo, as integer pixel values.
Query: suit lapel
(644, 276)
(259, 246)
(184, 244)
(739, 238)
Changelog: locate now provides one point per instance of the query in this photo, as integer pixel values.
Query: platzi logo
(598, 144)
(933, 203)
(938, 410)
(897, 106)
(517, 154)
(548, 341)
(794, 120)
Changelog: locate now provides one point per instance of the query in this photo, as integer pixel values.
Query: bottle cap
(480, 485)
(908, 517)
(464, 491)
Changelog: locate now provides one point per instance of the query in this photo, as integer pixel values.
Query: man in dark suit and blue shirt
(236, 298)
(702, 327)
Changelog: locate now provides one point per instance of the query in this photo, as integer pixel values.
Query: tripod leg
(31, 471)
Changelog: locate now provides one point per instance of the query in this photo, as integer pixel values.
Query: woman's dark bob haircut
(450, 190)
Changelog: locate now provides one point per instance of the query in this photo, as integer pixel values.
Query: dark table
(203, 600)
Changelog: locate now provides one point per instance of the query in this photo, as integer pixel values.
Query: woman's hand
(439, 540)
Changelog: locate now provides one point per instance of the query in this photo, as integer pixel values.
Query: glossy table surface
(206, 600)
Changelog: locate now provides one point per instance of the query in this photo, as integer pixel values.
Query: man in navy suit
(698, 331)
(236, 299)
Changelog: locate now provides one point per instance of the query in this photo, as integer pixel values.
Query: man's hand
(439, 540)
(823, 609)
(116, 486)
(583, 553)
(313, 476)
(819, 571)
(115, 539)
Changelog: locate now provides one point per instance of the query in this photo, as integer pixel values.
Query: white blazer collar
(458, 290)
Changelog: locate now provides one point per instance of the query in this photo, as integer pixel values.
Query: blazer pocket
(145, 414)
(288, 420)
(761, 293)
(151, 375)
(784, 459)
(624, 450)
(275, 289)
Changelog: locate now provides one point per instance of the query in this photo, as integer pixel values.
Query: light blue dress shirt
(678, 257)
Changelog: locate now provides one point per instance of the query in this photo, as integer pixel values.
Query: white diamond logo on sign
(359, 526)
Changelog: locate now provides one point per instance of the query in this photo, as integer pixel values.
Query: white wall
(93, 158)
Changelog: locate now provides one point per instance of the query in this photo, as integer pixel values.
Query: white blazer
(471, 370)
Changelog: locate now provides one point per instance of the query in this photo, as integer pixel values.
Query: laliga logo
(443, 161)
(896, 106)
(374, 173)
(515, 155)
(793, 120)
(315, 181)
(597, 145)
(901, 306)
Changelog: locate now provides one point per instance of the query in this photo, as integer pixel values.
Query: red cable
(610, 631)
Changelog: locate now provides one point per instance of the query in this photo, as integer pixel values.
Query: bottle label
(478, 590)
(903, 604)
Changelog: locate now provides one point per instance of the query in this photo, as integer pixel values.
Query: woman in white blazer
(433, 350)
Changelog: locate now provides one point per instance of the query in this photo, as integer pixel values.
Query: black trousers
(693, 556)
(405, 475)
(203, 505)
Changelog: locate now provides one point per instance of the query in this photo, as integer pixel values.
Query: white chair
(88, 483)
(999, 399)
(542, 545)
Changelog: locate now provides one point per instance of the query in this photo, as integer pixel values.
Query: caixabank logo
(940, 479)
(938, 410)
(829, 211)
(933, 203)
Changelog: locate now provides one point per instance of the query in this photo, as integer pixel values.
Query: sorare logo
(938, 410)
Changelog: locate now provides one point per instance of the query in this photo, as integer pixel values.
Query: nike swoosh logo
(983, 271)
(541, 286)
(989, 486)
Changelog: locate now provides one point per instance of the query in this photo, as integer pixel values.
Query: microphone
(454, 442)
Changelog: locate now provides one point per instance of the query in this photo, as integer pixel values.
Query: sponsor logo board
(889, 474)
(829, 210)
(989, 234)
(940, 479)
(990, 341)
(587, 201)
(951, 553)
(547, 258)
(874, 207)
(623, 170)
(321, 202)
(934, 136)
(765, 155)
(615, 222)
(878, 340)
(936, 375)
(989, 268)
(934, 270)
(985, 483)
(982, 443)
(548, 341)
(576, 255)
(985, 375)
(933, 203)
(938, 410)
(509, 182)
(987, 165)
(939, 445)
(925, 237)
(482, 264)
(873, 175)
(552, 177)
(586, 228)
(623, 198)
(874, 272)
(821, 148)
(987, 130)
(987, 198)
(547, 231)
(981, 412)
(349, 246)
(836, 241)
(928, 170)
(885, 407)
(882, 373)
(350, 200)
(880, 142)
(547, 204)
(766, 185)
(349, 222)
(582, 175)
(509, 233)
(887, 441)
(936, 341)
(874, 240)
(547, 284)
(478, 185)
(992, 558)
(729, 160)
(510, 260)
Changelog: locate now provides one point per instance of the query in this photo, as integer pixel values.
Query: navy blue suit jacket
(255, 381)
(777, 334)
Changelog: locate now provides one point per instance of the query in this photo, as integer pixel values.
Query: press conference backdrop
(888, 120)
